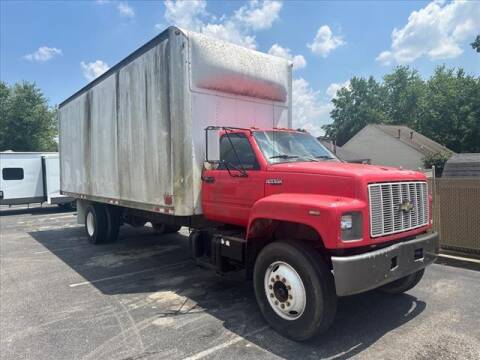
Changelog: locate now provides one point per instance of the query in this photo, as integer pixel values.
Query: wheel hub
(285, 291)
(280, 291)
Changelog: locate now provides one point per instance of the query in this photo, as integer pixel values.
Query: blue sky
(62, 44)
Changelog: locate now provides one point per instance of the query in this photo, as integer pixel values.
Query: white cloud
(259, 15)
(309, 110)
(94, 69)
(298, 61)
(237, 28)
(186, 14)
(44, 53)
(325, 41)
(437, 31)
(334, 87)
(229, 32)
(125, 10)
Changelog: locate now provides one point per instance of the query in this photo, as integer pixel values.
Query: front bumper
(359, 273)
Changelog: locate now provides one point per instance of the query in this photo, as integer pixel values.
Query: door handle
(208, 179)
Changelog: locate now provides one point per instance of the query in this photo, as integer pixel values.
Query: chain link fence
(456, 213)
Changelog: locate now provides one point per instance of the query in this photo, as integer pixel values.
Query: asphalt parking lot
(142, 298)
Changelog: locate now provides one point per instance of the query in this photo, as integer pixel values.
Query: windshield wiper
(326, 157)
(283, 156)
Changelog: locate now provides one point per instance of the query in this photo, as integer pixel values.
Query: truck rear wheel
(113, 223)
(96, 224)
(404, 284)
(295, 290)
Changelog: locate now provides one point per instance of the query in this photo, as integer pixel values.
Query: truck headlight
(346, 222)
(351, 226)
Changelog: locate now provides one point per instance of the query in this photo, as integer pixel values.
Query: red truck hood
(367, 173)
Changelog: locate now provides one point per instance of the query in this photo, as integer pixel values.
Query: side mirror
(212, 145)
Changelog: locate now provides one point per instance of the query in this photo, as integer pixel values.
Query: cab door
(229, 192)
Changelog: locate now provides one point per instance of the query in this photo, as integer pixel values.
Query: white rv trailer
(30, 177)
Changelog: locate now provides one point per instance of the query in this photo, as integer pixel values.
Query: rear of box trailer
(135, 137)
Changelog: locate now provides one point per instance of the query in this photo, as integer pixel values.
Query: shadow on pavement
(142, 262)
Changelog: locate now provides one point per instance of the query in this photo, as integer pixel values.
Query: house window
(12, 173)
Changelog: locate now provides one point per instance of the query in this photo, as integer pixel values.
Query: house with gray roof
(393, 145)
(341, 153)
(465, 165)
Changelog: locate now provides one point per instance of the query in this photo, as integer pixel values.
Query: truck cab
(309, 227)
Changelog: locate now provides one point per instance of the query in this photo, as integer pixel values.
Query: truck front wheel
(295, 290)
(404, 284)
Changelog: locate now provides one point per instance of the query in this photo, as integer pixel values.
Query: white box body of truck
(30, 177)
(135, 136)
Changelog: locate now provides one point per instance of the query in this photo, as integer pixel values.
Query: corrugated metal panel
(103, 133)
(144, 128)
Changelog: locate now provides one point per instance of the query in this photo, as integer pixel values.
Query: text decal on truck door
(274, 181)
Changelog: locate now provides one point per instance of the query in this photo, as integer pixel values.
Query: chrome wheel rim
(90, 224)
(285, 290)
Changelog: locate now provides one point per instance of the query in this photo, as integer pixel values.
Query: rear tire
(300, 287)
(404, 284)
(113, 215)
(96, 224)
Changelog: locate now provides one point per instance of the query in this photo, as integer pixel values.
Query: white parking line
(127, 274)
(226, 344)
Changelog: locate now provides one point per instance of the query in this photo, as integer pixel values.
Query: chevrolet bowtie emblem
(405, 206)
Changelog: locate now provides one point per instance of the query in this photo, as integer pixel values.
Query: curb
(458, 261)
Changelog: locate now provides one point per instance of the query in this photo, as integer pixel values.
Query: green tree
(438, 160)
(445, 108)
(476, 44)
(405, 91)
(451, 113)
(354, 107)
(27, 123)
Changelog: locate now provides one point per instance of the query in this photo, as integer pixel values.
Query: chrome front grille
(397, 207)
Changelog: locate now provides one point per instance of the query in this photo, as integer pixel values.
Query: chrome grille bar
(397, 207)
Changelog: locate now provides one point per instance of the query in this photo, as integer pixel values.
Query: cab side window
(244, 158)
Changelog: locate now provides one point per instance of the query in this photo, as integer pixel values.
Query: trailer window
(12, 173)
(240, 155)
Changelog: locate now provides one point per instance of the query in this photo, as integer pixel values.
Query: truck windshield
(284, 146)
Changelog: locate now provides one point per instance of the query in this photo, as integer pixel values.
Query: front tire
(404, 284)
(295, 290)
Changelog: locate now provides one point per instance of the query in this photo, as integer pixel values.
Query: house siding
(383, 149)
